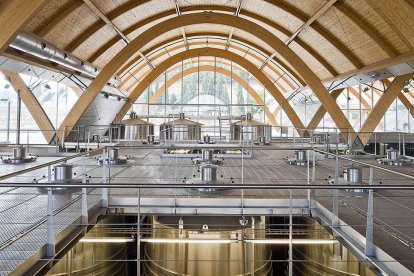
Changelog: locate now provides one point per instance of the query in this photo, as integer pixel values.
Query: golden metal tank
(232, 258)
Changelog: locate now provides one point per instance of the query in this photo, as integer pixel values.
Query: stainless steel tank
(95, 258)
(208, 172)
(113, 154)
(207, 259)
(19, 152)
(207, 139)
(207, 154)
(63, 172)
(392, 154)
(250, 130)
(300, 155)
(333, 138)
(262, 140)
(180, 129)
(136, 129)
(353, 174)
(151, 139)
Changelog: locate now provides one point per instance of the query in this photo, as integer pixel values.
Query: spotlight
(119, 98)
(106, 95)
(366, 89)
(406, 90)
(47, 86)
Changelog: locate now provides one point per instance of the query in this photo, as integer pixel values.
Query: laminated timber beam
(382, 106)
(14, 15)
(221, 70)
(251, 54)
(317, 117)
(32, 104)
(154, 74)
(398, 15)
(85, 35)
(406, 103)
(210, 18)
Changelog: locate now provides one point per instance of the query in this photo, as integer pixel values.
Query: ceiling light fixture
(153, 240)
(294, 241)
(227, 241)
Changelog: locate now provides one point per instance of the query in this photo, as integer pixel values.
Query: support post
(312, 192)
(335, 207)
(104, 180)
(139, 234)
(403, 144)
(85, 215)
(308, 176)
(19, 112)
(369, 243)
(50, 250)
(290, 235)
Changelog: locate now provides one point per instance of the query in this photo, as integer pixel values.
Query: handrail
(3, 177)
(365, 164)
(221, 186)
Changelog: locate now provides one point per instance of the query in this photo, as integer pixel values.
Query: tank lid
(209, 166)
(251, 122)
(135, 121)
(182, 122)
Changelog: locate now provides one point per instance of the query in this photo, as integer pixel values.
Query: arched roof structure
(315, 41)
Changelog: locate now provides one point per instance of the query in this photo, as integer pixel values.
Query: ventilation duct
(38, 47)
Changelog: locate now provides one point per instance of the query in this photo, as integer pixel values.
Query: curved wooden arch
(344, 49)
(32, 104)
(382, 106)
(211, 52)
(281, 76)
(283, 64)
(207, 17)
(161, 15)
(221, 70)
(128, 6)
(235, 65)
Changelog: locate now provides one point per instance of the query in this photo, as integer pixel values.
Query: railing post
(335, 207)
(313, 192)
(50, 250)
(369, 243)
(139, 234)
(104, 180)
(49, 174)
(308, 176)
(403, 144)
(290, 235)
(84, 215)
(294, 136)
(63, 137)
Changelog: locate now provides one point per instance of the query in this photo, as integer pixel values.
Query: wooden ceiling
(331, 37)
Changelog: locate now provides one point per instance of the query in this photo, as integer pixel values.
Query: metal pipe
(33, 45)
